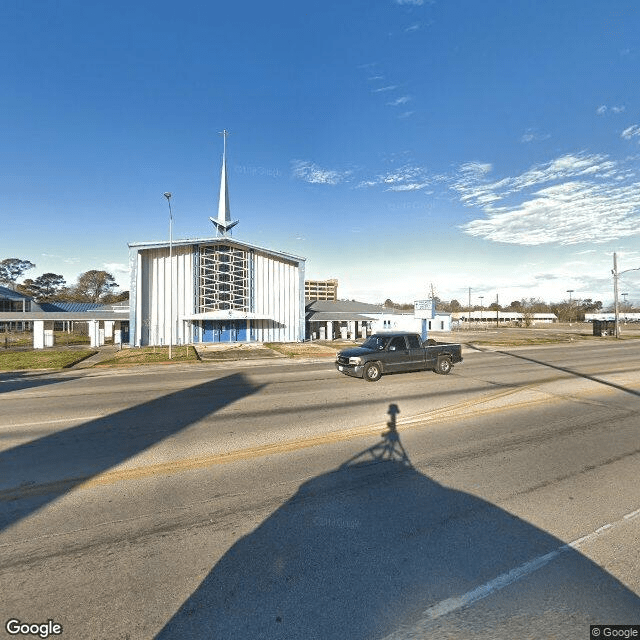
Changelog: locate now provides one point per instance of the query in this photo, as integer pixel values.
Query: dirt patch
(235, 352)
(302, 349)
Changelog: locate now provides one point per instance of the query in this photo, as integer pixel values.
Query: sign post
(425, 310)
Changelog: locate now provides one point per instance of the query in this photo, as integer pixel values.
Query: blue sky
(396, 144)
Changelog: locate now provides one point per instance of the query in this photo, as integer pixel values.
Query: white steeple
(223, 222)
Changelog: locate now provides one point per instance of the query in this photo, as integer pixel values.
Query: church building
(214, 289)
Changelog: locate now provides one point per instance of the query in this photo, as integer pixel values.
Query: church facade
(214, 289)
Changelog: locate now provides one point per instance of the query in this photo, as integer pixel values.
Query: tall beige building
(321, 289)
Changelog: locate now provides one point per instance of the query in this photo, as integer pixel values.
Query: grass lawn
(151, 355)
(42, 359)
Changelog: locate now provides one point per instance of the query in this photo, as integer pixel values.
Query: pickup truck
(395, 352)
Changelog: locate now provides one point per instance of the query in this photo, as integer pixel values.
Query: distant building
(320, 290)
(623, 316)
(488, 316)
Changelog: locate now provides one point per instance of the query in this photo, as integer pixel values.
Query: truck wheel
(444, 366)
(372, 372)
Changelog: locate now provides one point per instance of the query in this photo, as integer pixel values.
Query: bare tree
(93, 286)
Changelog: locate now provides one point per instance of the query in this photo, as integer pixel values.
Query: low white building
(487, 316)
(349, 319)
(394, 320)
(623, 316)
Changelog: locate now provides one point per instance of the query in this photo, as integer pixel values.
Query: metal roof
(209, 241)
(70, 307)
(10, 294)
(344, 306)
(95, 314)
(326, 316)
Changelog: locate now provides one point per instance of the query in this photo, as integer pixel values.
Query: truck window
(397, 344)
(414, 342)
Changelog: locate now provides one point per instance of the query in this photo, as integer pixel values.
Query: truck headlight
(354, 360)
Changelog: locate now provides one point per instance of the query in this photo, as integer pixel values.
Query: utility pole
(497, 312)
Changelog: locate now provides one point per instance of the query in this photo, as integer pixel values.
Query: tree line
(565, 311)
(91, 286)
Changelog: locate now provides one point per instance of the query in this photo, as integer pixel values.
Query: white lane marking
(57, 421)
(449, 605)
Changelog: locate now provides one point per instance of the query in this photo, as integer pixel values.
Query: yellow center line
(463, 410)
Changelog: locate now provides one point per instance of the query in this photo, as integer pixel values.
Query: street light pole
(616, 274)
(615, 292)
(481, 308)
(570, 291)
(167, 195)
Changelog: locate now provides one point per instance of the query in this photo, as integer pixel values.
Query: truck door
(398, 355)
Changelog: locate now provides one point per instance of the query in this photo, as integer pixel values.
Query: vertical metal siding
(276, 290)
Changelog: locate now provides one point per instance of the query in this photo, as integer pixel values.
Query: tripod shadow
(388, 449)
(371, 548)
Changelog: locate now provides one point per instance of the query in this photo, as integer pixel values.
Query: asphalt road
(284, 500)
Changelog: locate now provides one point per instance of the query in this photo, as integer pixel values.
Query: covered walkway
(102, 324)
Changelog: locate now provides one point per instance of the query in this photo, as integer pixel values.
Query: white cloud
(631, 132)
(602, 109)
(390, 87)
(398, 101)
(407, 178)
(312, 173)
(574, 198)
(415, 3)
(115, 267)
(531, 135)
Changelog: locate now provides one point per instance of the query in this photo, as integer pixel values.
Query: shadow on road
(18, 380)
(370, 548)
(573, 372)
(38, 472)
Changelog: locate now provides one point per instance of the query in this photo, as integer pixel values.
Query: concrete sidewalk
(104, 353)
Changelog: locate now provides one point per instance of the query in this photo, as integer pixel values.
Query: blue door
(208, 331)
(225, 331)
(241, 330)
